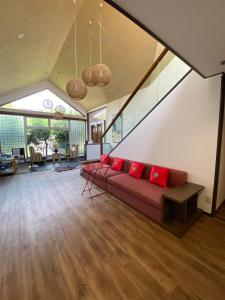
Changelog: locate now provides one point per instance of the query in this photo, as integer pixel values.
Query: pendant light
(87, 74)
(58, 116)
(60, 109)
(101, 72)
(76, 88)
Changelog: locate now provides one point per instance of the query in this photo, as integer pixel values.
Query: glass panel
(12, 133)
(77, 134)
(64, 124)
(44, 101)
(37, 122)
(46, 140)
(166, 75)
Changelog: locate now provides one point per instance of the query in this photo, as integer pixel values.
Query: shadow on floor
(25, 168)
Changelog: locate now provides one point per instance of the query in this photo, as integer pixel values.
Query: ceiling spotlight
(20, 36)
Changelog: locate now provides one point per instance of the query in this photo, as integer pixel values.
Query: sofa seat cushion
(102, 173)
(106, 173)
(140, 188)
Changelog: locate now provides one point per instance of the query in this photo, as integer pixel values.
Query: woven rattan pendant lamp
(76, 88)
(87, 74)
(101, 73)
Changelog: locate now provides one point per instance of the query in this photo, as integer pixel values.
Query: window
(12, 133)
(60, 124)
(44, 134)
(77, 134)
(37, 122)
(35, 103)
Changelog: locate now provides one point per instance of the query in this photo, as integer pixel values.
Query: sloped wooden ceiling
(127, 49)
(45, 25)
(47, 50)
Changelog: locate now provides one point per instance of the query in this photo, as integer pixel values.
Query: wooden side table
(56, 156)
(180, 209)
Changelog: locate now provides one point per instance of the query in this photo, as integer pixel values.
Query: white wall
(221, 184)
(181, 133)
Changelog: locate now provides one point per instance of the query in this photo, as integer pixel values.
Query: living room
(112, 161)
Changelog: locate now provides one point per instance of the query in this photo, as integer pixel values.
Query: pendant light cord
(90, 48)
(75, 37)
(75, 52)
(100, 33)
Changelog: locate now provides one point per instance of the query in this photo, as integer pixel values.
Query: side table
(180, 209)
(93, 171)
(56, 156)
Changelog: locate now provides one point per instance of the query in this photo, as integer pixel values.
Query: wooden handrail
(140, 84)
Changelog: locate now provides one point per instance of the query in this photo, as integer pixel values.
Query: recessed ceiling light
(20, 36)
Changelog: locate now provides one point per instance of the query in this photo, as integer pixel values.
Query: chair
(35, 157)
(73, 152)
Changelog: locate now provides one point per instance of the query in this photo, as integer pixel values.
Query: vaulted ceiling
(46, 51)
(194, 29)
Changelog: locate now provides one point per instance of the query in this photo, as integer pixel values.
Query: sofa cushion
(105, 159)
(142, 189)
(159, 176)
(105, 173)
(118, 164)
(136, 169)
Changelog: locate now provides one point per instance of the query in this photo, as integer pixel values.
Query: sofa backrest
(176, 177)
(126, 166)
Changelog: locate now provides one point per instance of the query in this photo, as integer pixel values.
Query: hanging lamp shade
(61, 109)
(88, 77)
(102, 74)
(76, 89)
(57, 115)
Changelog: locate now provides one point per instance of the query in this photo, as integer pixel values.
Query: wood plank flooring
(55, 244)
(221, 212)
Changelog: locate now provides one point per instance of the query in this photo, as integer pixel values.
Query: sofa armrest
(85, 162)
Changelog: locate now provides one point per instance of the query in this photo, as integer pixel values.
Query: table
(93, 169)
(56, 156)
(180, 209)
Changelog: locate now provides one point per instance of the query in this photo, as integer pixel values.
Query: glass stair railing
(166, 72)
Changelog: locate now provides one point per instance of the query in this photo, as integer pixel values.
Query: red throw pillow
(105, 159)
(136, 169)
(159, 176)
(117, 164)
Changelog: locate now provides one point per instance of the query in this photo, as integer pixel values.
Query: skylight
(44, 101)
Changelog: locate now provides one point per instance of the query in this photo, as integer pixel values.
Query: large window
(77, 134)
(44, 134)
(44, 101)
(37, 122)
(12, 133)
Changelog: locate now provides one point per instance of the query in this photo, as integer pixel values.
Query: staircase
(163, 76)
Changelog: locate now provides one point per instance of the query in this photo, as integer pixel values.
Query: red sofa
(138, 193)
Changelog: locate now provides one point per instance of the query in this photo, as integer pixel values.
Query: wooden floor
(221, 212)
(54, 244)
